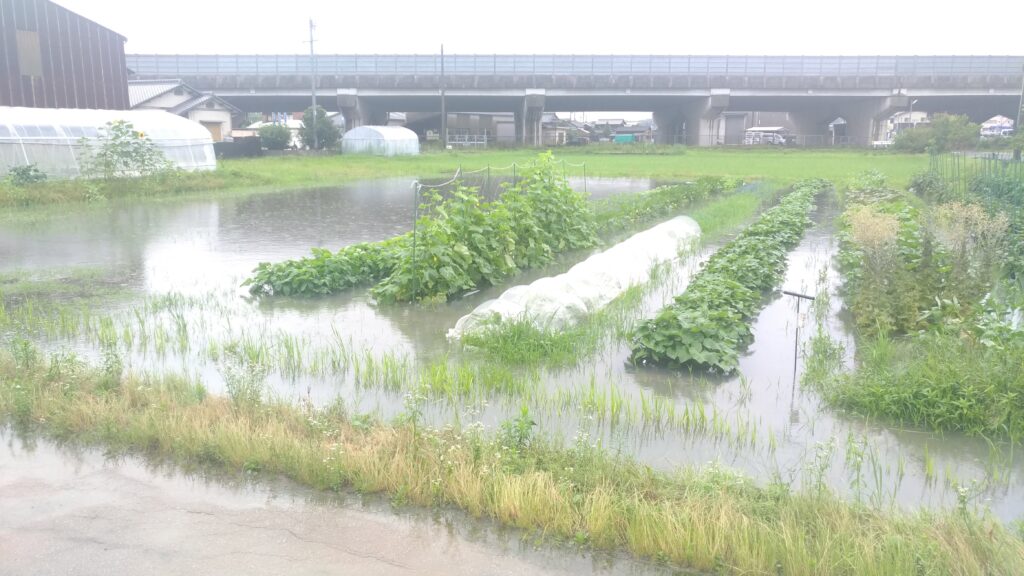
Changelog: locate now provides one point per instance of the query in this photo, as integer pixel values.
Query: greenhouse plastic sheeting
(556, 302)
(381, 141)
(54, 138)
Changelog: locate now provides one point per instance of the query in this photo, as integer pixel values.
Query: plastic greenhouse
(52, 139)
(381, 141)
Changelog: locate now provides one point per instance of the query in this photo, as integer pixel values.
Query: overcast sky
(818, 27)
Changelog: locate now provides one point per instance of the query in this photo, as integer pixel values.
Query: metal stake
(796, 348)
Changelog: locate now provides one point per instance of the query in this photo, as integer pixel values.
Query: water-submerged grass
(708, 519)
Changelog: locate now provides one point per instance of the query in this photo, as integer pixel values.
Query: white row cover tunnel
(381, 141)
(557, 302)
(52, 139)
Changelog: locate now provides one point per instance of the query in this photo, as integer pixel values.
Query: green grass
(936, 380)
(708, 518)
(784, 165)
(254, 175)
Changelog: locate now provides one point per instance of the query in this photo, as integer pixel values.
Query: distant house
(603, 130)
(641, 133)
(901, 121)
(997, 126)
(554, 132)
(177, 97)
(559, 132)
(55, 58)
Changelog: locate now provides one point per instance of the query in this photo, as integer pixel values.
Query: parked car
(770, 135)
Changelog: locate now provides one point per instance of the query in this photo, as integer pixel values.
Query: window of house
(30, 57)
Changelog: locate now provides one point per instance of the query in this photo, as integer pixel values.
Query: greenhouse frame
(54, 140)
(381, 141)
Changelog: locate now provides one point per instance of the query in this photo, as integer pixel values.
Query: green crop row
(707, 326)
(326, 272)
(626, 211)
(462, 242)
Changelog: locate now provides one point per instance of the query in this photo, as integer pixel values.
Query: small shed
(381, 141)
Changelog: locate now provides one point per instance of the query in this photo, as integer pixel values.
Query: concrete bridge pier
(700, 118)
(670, 126)
(865, 119)
(528, 119)
(376, 117)
(351, 108)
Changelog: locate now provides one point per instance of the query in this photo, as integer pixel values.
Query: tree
(327, 133)
(275, 136)
(944, 133)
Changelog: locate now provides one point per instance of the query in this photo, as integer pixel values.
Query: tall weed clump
(1005, 193)
(899, 261)
(940, 340)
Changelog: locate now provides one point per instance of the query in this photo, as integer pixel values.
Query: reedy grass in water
(154, 328)
(707, 519)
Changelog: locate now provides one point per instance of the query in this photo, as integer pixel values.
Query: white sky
(754, 27)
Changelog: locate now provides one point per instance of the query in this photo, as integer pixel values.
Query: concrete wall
(213, 116)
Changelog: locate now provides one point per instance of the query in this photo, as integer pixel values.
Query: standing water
(180, 266)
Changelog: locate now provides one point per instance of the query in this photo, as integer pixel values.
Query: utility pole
(1020, 104)
(444, 107)
(312, 90)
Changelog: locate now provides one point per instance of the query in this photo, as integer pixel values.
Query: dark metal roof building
(51, 57)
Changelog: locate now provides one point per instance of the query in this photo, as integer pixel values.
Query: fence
(960, 169)
(490, 181)
(176, 66)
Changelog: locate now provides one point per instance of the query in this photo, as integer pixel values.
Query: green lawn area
(254, 175)
(786, 165)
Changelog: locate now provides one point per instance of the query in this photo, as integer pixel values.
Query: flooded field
(162, 284)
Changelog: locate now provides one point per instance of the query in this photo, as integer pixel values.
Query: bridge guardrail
(171, 65)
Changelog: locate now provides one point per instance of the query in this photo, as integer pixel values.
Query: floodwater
(182, 263)
(77, 511)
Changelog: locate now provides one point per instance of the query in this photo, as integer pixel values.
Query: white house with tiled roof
(176, 97)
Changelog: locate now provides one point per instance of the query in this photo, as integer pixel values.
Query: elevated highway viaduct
(686, 94)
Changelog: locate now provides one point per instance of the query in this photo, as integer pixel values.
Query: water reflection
(206, 249)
